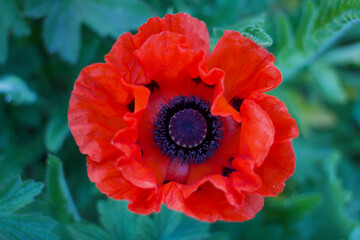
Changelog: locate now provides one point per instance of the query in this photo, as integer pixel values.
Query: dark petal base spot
(152, 86)
(186, 131)
(226, 171)
(198, 81)
(236, 102)
(131, 105)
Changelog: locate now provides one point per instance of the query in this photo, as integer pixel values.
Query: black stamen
(131, 105)
(152, 85)
(236, 102)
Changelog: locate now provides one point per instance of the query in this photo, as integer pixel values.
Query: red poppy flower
(164, 121)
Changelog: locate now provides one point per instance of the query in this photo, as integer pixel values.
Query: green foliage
(319, 27)
(119, 223)
(11, 20)
(88, 231)
(344, 56)
(56, 132)
(258, 35)
(173, 225)
(252, 29)
(14, 195)
(59, 202)
(330, 18)
(26, 227)
(63, 19)
(16, 91)
(329, 83)
(294, 207)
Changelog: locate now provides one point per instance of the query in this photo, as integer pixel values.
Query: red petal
(244, 179)
(184, 24)
(278, 166)
(211, 204)
(180, 197)
(166, 55)
(96, 110)
(122, 58)
(121, 55)
(126, 141)
(285, 125)
(110, 181)
(257, 132)
(248, 67)
(228, 149)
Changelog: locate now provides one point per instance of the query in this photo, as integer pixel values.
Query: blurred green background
(45, 44)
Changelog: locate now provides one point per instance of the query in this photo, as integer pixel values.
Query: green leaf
(59, 202)
(258, 35)
(172, 225)
(357, 111)
(355, 234)
(330, 214)
(294, 207)
(307, 114)
(344, 56)
(63, 19)
(10, 20)
(119, 222)
(18, 154)
(16, 90)
(319, 27)
(329, 82)
(56, 132)
(26, 227)
(219, 236)
(113, 17)
(285, 38)
(331, 17)
(88, 231)
(15, 194)
(308, 11)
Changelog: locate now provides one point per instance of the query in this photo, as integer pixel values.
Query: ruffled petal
(184, 24)
(109, 180)
(121, 55)
(285, 125)
(244, 179)
(278, 166)
(248, 67)
(211, 203)
(179, 197)
(130, 163)
(122, 59)
(257, 132)
(96, 109)
(168, 55)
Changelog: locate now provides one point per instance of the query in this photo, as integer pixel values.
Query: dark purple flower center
(186, 131)
(187, 128)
